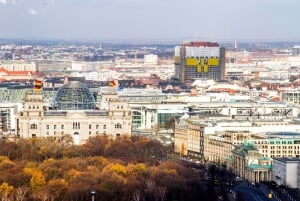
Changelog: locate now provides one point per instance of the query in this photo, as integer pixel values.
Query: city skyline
(150, 20)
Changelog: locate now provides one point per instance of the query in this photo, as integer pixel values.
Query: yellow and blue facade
(199, 60)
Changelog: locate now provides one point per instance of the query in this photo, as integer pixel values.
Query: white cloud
(3, 1)
(32, 11)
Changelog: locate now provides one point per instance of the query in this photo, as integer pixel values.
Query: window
(62, 126)
(76, 125)
(90, 132)
(54, 127)
(47, 126)
(90, 126)
(104, 126)
(118, 125)
(97, 126)
(33, 126)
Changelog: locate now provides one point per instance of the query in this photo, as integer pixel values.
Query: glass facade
(164, 117)
(136, 119)
(74, 96)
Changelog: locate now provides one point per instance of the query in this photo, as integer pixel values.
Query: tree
(57, 188)
(21, 193)
(37, 177)
(41, 194)
(5, 191)
(37, 180)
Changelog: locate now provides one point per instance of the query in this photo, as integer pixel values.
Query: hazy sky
(248, 20)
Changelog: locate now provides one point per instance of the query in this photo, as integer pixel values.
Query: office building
(285, 171)
(199, 60)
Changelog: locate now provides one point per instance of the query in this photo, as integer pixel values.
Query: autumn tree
(57, 188)
(6, 191)
(37, 180)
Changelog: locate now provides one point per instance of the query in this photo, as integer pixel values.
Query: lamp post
(93, 192)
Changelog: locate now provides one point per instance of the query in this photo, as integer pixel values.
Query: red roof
(20, 73)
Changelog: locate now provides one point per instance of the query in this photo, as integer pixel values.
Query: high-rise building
(199, 60)
(296, 50)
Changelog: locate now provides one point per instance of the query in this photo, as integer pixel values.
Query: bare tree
(137, 196)
(161, 193)
(21, 193)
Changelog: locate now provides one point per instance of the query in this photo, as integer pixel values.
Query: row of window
(62, 132)
(76, 125)
(284, 147)
(33, 107)
(284, 152)
(280, 142)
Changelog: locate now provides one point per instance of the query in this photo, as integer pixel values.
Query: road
(251, 193)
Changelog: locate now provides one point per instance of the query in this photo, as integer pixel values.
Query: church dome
(74, 96)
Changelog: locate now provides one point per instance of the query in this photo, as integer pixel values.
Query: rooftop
(288, 160)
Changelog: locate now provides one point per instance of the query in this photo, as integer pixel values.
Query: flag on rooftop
(113, 83)
(37, 85)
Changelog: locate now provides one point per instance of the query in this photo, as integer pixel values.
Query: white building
(150, 59)
(73, 114)
(19, 66)
(78, 67)
(285, 171)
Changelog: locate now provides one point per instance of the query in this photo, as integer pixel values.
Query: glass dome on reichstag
(74, 96)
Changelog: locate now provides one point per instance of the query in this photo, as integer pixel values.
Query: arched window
(33, 126)
(118, 125)
(76, 138)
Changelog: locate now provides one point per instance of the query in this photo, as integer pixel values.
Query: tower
(30, 118)
(199, 60)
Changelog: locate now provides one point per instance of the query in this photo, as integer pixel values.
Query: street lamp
(93, 193)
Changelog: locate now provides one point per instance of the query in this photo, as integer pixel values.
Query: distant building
(78, 66)
(296, 50)
(291, 95)
(16, 66)
(204, 60)
(7, 118)
(285, 171)
(150, 59)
